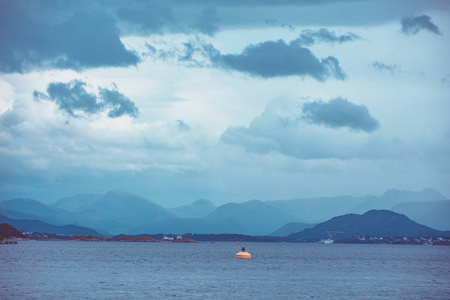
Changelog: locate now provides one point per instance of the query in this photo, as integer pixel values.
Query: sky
(224, 100)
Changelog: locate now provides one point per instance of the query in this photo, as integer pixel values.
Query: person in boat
(243, 249)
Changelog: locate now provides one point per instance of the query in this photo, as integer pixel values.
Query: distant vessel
(329, 240)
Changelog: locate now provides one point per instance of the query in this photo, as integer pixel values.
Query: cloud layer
(34, 36)
(277, 59)
(306, 131)
(204, 75)
(73, 99)
(383, 67)
(309, 37)
(413, 25)
(338, 113)
(267, 59)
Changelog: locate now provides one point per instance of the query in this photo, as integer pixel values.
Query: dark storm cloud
(275, 23)
(412, 25)
(72, 98)
(310, 37)
(340, 112)
(148, 16)
(207, 22)
(91, 41)
(278, 59)
(258, 2)
(267, 59)
(198, 47)
(43, 35)
(82, 34)
(117, 104)
(382, 67)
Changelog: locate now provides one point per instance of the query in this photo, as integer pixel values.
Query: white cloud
(46, 153)
(6, 96)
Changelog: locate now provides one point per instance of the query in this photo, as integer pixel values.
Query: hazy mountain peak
(120, 193)
(202, 203)
(393, 196)
(434, 214)
(21, 200)
(425, 193)
(257, 216)
(26, 205)
(198, 209)
(21, 207)
(79, 202)
(253, 202)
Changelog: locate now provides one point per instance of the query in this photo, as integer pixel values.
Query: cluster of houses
(402, 240)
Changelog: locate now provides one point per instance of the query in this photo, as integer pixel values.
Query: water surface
(80, 270)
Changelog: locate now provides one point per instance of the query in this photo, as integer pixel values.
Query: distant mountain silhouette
(198, 209)
(39, 226)
(314, 210)
(291, 228)
(118, 211)
(32, 209)
(435, 214)
(394, 197)
(112, 212)
(18, 215)
(379, 223)
(79, 202)
(256, 217)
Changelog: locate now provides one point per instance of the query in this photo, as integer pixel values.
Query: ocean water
(102, 270)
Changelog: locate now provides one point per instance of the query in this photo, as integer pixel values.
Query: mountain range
(435, 214)
(198, 209)
(118, 212)
(42, 227)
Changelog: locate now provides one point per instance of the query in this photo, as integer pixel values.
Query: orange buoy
(243, 255)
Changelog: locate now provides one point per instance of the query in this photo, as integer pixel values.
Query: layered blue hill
(377, 223)
(42, 227)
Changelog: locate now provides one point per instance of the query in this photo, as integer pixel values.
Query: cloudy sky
(224, 100)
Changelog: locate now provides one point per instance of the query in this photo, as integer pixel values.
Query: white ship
(329, 240)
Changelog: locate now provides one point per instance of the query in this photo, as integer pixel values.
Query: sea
(165, 270)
